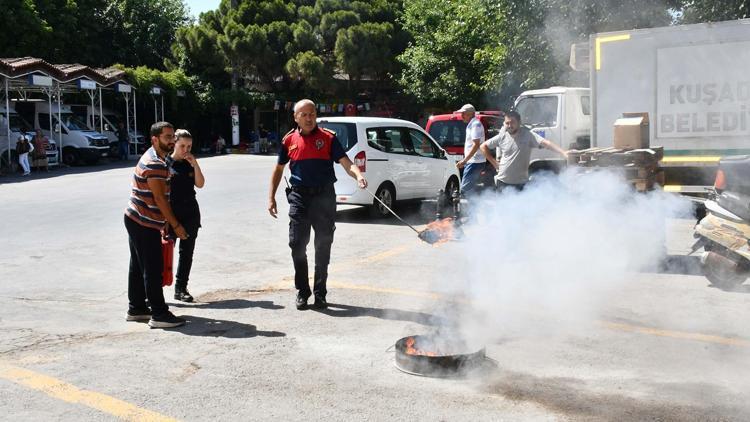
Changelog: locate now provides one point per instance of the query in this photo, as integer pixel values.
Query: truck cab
(559, 114)
(77, 141)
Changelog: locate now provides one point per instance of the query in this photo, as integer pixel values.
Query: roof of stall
(14, 68)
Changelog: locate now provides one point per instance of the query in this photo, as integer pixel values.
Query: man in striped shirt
(148, 213)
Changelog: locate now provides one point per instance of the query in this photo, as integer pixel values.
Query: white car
(398, 158)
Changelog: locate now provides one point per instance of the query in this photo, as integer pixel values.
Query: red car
(450, 131)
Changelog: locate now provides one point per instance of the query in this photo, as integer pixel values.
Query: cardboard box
(632, 131)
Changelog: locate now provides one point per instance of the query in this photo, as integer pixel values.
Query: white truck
(78, 142)
(692, 80)
(18, 127)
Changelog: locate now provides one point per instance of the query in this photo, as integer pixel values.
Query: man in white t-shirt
(513, 146)
(473, 161)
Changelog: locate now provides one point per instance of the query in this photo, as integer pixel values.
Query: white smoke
(551, 256)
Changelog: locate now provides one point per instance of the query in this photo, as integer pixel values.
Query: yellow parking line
(72, 394)
(706, 338)
(414, 293)
(385, 254)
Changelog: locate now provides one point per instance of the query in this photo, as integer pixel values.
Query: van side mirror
(57, 127)
(107, 128)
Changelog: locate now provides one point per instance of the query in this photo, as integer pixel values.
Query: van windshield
(17, 123)
(538, 111)
(448, 133)
(72, 122)
(112, 119)
(346, 133)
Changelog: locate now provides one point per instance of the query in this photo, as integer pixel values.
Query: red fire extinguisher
(167, 252)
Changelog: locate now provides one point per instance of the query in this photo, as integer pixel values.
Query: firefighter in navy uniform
(310, 152)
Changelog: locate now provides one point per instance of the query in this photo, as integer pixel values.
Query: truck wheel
(387, 194)
(720, 273)
(70, 156)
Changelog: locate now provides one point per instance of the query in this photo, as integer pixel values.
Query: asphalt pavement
(660, 345)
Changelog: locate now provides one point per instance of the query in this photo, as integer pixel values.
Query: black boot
(182, 294)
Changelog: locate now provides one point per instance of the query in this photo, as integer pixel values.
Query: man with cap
(513, 147)
(473, 162)
(310, 152)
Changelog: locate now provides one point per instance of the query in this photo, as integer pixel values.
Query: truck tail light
(361, 161)
(721, 181)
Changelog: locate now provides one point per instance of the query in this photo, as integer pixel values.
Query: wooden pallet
(640, 167)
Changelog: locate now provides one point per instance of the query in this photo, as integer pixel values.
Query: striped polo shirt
(142, 207)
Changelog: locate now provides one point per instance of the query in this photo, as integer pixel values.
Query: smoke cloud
(547, 259)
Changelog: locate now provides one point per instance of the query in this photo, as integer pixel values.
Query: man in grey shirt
(513, 146)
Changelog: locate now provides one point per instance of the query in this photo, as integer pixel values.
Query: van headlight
(95, 142)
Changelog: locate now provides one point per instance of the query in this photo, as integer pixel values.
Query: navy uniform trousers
(311, 207)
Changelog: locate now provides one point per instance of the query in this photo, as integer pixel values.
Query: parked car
(399, 160)
(450, 131)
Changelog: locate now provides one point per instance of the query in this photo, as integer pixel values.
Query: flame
(411, 350)
(439, 231)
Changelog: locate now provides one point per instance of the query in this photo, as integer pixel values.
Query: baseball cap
(465, 108)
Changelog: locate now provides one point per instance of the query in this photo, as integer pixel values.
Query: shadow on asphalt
(742, 288)
(573, 398)
(350, 311)
(681, 265)
(207, 327)
(229, 304)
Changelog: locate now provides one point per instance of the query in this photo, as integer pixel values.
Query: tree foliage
(456, 51)
(92, 32)
(293, 46)
(697, 11)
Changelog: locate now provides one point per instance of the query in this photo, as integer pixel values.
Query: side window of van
(422, 144)
(386, 139)
(44, 121)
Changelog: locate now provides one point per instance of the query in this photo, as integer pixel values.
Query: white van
(78, 142)
(111, 124)
(398, 158)
(17, 127)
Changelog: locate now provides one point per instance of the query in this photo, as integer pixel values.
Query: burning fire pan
(421, 355)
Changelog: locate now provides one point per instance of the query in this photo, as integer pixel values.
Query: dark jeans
(189, 216)
(316, 209)
(146, 262)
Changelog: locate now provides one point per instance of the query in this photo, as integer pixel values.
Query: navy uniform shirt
(311, 156)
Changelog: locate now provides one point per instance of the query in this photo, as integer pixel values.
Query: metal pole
(59, 113)
(93, 120)
(127, 123)
(7, 123)
(135, 120)
(156, 110)
(162, 108)
(51, 128)
(101, 113)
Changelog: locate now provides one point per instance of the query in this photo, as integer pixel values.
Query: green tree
(291, 46)
(456, 51)
(697, 11)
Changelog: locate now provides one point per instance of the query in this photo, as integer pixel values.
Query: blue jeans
(472, 173)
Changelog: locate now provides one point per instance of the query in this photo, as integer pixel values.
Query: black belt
(311, 190)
